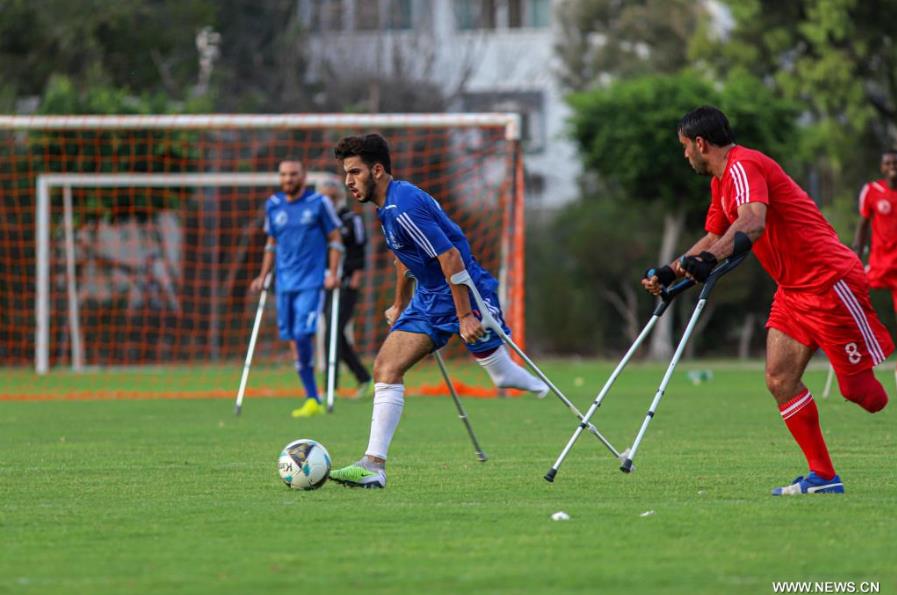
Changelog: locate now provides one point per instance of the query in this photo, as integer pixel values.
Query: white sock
(388, 404)
(506, 374)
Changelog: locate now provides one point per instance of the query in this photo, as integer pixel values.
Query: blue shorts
(298, 311)
(441, 322)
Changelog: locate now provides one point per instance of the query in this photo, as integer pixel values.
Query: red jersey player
(878, 211)
(822, 300)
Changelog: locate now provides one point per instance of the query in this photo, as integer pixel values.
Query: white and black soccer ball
(304, 464)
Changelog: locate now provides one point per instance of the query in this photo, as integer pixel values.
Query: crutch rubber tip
(237, 410)
(549, 477)
(626, 467)
(482, 456)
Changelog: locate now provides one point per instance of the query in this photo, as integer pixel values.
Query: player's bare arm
(469, 325)
(404, 289)
(861, 237)
(747, 227)
(751, 221)
(267, 265)
(334, 253)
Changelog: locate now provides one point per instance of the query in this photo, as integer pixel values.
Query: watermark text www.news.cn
(826, 587)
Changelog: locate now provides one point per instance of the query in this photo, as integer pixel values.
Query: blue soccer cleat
(811, 484)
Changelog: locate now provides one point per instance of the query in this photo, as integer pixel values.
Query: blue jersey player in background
(305, 243)
(432, 247)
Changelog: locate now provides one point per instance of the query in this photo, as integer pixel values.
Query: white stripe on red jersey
(859, 316)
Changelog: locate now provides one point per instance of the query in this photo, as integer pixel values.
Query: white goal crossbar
(509, 121)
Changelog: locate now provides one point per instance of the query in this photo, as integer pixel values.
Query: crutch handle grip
(463, 278)
(668, 293)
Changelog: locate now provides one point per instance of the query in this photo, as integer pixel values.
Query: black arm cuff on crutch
(741, 248)
(720, 270)
(669, 294)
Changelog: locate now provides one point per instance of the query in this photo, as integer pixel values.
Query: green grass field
(179, 496)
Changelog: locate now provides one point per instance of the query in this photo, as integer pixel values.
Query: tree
(835, 57)
(607, 39)
(626, 134)
(142, 47)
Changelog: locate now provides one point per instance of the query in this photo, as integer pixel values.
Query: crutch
(333, 331)
(489, 322)
(666, 298)
(828, 381)
(266, 285)
(462, 414)
(732, 262)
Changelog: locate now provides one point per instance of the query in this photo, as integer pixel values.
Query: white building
(486, 55)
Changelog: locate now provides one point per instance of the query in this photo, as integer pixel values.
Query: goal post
(144, 231)
(46, 183)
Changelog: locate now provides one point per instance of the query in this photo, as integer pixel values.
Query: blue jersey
(417, 230)
(300, 229)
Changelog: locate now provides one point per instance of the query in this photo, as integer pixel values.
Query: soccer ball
(304, 464)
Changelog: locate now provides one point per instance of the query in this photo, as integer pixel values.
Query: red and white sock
(802, 418)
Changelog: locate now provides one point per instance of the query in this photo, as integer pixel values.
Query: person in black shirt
(354, 240)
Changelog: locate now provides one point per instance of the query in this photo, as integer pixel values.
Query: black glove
(664, 274)
(699, 266)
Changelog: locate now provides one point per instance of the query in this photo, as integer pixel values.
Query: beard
(700, 167)
(366, 193)
(291, 189)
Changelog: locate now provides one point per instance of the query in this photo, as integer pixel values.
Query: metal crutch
(666, 298)
(333, 331)
(448, 382)
(488, 321)
(461, 412)
(266, 285)
(718, 272)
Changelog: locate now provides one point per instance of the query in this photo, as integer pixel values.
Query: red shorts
(879, 279)
(840, 321)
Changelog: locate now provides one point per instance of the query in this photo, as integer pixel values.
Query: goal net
(132, 240)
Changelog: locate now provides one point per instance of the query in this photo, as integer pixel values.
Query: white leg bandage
(506, 374)
(388, 403)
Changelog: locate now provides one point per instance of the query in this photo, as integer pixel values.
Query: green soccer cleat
(358, 475)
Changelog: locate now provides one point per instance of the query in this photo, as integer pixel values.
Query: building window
(399, 15)
(475, 14)
(534, 185)
(529, 14)
(529, 104)
(326, 15)
(367, 15)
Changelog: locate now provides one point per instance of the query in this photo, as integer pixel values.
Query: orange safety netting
(423, 390)
(158, 275)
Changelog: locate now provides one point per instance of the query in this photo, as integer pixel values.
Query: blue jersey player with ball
(429, 245)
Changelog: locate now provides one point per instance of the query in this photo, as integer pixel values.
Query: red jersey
(799, 249)
(879, 203)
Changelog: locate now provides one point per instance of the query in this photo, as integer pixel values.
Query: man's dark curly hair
(371, 148)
